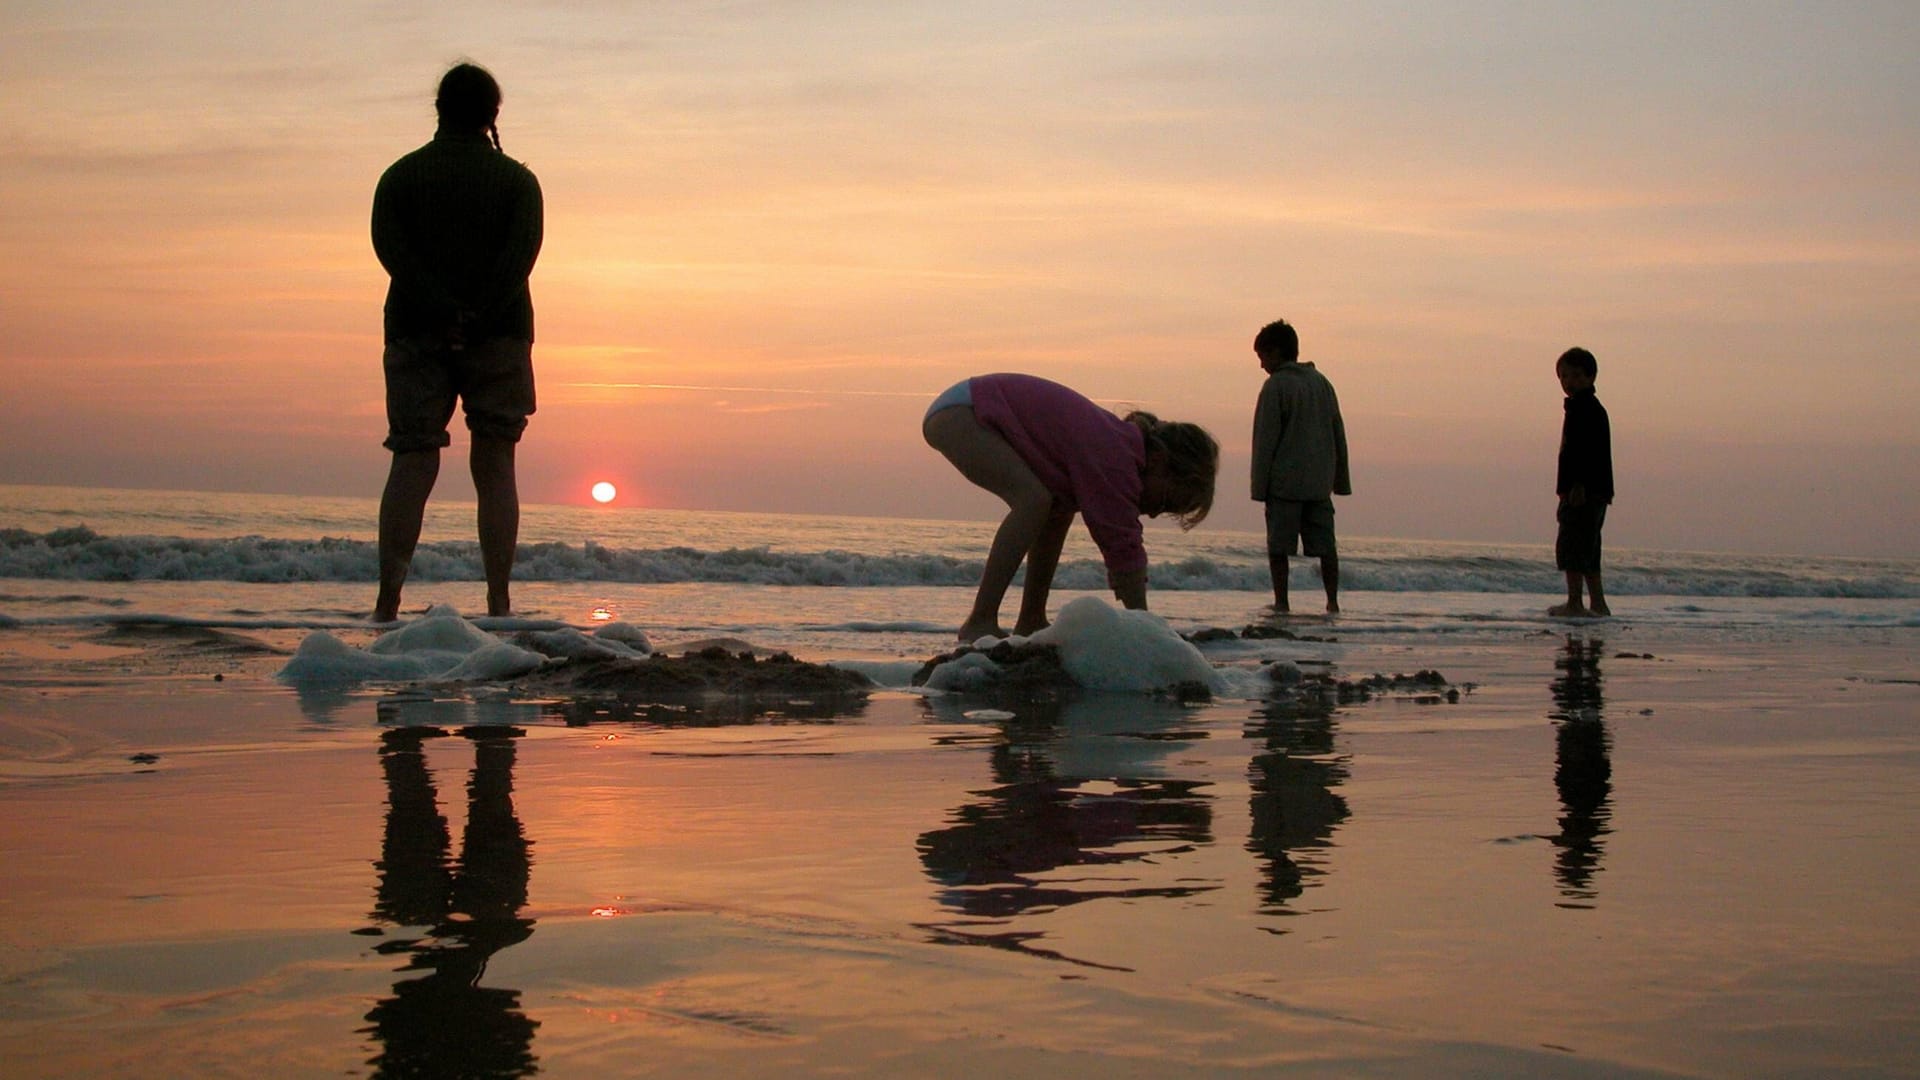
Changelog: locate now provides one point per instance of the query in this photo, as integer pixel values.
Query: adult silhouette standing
(457, 224)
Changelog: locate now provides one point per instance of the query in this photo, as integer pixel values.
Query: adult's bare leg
(499, 517)
(403, 504)
(1330, 576)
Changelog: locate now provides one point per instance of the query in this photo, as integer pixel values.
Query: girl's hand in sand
(1130, 588)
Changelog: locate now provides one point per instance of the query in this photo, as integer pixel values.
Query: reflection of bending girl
(1048, 811)
(444, 1023)
(1049, 453)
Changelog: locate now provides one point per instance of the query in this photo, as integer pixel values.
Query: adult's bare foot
(1568, 611)
(974, 629)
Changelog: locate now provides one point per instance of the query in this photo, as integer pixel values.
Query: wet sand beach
(1615, 852)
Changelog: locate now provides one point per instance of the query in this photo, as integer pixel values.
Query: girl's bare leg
(990, 462)
(1042, 560)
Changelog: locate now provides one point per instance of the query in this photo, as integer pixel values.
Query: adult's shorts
(492, 380)
(1577, 547)
(1303, 527)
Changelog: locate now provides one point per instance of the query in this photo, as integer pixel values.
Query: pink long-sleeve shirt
(1088, 457)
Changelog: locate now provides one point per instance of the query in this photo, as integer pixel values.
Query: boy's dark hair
(1581, 360)
(1277, 338)
(469, 100)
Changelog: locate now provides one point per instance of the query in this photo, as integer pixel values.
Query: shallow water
(1624, 851)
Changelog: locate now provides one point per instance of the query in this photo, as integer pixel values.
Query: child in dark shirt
(1584, 484)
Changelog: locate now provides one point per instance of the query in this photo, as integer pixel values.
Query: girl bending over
(1050, 453)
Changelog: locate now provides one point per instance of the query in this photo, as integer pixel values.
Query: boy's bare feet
(1600, 609)
(1568, 611)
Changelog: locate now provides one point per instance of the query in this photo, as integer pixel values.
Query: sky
(776, 230)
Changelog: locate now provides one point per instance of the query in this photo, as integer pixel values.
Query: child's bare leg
(1278, 568)
(990, 462)
(1596, 600)
(1330, 576)
(1575, 605)
(1042, 560)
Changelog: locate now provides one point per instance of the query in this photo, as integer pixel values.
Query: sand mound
(710, 671)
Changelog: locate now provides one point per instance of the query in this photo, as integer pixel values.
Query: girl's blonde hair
(1193, 461)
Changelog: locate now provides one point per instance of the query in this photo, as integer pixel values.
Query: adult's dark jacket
(458, 226)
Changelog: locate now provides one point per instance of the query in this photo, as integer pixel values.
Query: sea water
(834, 587)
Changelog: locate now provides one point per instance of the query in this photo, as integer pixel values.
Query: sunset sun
(603, 492)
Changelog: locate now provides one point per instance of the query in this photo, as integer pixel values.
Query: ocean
(833, 587)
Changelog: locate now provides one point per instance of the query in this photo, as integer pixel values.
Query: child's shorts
(491, 378)
(960, 393)
(1307, 526)
(1577, 547)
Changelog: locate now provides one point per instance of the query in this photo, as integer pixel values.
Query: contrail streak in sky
(810, 391)
(749, 389)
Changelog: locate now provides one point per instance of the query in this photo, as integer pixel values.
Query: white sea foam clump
(1108, 648)
(438, 645)
(968, 671)
(323, 658)
(440, 630)
(626, 634)
(496, 660)
(615, 640)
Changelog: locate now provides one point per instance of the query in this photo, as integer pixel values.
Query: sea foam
(442, 646)
(1109, 648)
(1102, 648)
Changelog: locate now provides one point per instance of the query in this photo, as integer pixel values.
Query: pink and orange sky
(775, 230)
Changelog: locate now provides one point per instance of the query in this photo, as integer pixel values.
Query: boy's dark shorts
(1577, 548)
(491, 378)
(1308, 524)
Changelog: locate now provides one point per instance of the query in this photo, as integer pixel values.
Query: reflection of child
(1049, 453)
(1585, 484)
(1299, 461)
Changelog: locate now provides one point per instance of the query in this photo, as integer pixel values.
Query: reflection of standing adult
(457, 224)
(444, 1022)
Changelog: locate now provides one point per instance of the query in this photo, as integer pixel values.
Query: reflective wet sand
(1608, 857)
